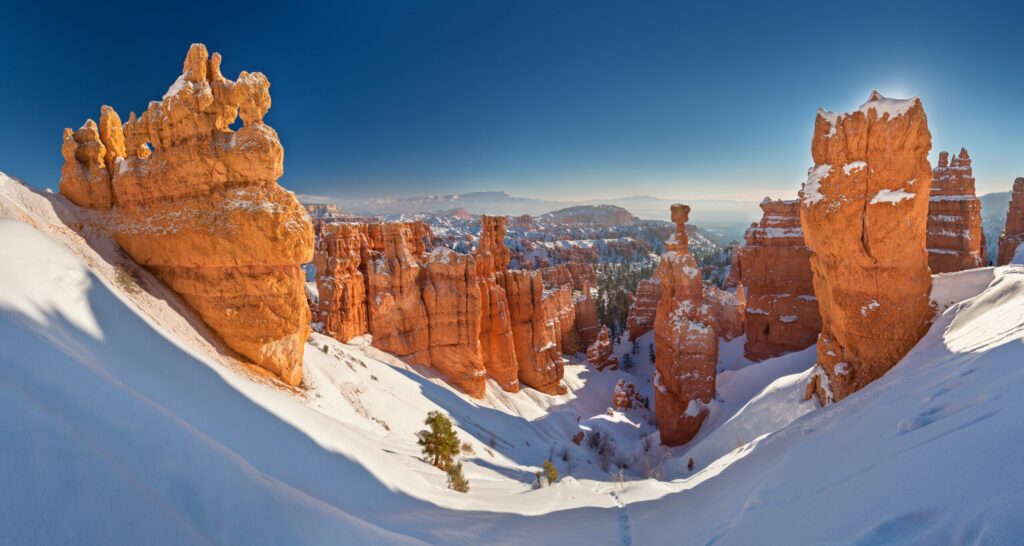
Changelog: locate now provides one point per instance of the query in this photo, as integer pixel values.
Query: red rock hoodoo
(541, 365)
(782, 313)
(198, 203)
(599, 353)
(496, 341)
(643, 309)
(686, 341)
(955, 238)
(864, 212)
(627, 396)
(729, 308)
(340, 282)
(1013, 233)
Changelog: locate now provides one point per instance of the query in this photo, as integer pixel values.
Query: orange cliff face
(198, 203)
(496, 341)
(686, 341)
(955, 238)
(541, 365)
(600, 352)
(341, 284)
(775, 266)
(643, 309)
(864, 212)
(1013, 232)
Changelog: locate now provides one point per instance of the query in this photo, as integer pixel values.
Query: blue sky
(585, 99)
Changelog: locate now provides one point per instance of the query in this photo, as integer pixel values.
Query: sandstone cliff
(198, 203)
(541, 365)
(599, 353)
(864, 213)
(686, 341)
(496, 341)
(782, 312)
(955, 238)
(1013, 233)
(643, 309)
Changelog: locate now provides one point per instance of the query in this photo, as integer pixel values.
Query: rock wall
(782, 312)
(198, 203)
(339, 257)
(496, 341)
(955, 237)
(729, 309)
(864, 214)
(1013, 233)
(541, 365)
(686, 341)
(644, 308)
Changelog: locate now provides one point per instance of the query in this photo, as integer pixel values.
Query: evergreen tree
(627, 362)
(650, 350)
(440, 444)
(456, 479)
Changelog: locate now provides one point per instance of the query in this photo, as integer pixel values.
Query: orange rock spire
(955, 237)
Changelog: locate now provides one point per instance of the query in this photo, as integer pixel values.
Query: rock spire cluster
(1013, 232)
(955, 237)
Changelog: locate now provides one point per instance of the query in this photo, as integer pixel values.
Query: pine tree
(627, 362)
(456, 479)
(650, 350)
(440, 444)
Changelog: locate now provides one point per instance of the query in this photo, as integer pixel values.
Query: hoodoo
(864, 214)
(955, 238)
(496, 341)
(686, 341)
(1013, 232)
(643, 309)
(782, 312)
(198, 203)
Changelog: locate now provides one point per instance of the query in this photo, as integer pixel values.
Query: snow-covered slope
(123, 421)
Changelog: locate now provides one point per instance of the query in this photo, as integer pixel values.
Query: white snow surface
(891, 196)
(123, 423)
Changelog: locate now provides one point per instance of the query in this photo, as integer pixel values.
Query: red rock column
(864, 213)
(496, 341)
(1013, 233)
(686, 341)
(643, 309)
(541, 365)
(955, 237)
(782, 312)
(599, 353)
(340, 283)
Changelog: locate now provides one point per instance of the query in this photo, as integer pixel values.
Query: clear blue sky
(539, 98)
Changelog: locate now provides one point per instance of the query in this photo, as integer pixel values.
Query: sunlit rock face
(541, 365)
(496, 341)
(955, 237)
(782, 312)
(864, 211)
(644, 308)
(729, 309)
(686, 341)
(198, 203)
(341, 307)
(1013, 233)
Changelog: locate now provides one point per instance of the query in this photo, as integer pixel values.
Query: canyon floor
(125, 421)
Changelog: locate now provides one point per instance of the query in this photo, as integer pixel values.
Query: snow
(175, 87)
(891, 196)
(812, 186)
(854, 167)
(883, 106)
(118, 406)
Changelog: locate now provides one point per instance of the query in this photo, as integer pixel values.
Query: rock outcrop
(198, 203)
(587, 323)
(496, 341)
(864, 214)
(627, 396)
(955, 238)
(1013, 233)
(782, 312)
(735, 276)
(728, 308)
(341, 309)
(599, 353)
(541, 365)
(686, 341)
(644, 308)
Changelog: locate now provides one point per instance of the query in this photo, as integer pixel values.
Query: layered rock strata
(198, 203)
(686, 341)
(864, 213)
(782, 312)
(1013, 232)
(955, 237)
(599, 353)
(644, 308)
